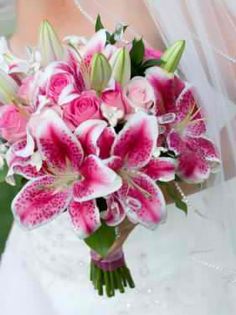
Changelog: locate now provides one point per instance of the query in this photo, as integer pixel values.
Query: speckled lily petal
(39, 202)
(97, 180)
(85, 217)
(144, 201)
(137, 140)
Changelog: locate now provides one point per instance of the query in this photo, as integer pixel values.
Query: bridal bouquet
(104, 130)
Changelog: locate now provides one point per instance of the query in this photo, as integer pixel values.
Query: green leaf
(3, 173)
(7, 193)
(99, 25)
(137, 51)
(180, 204)
(151, 63)
(102, 240)
(174, 195)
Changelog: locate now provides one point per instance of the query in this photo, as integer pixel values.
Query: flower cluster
(102, 118)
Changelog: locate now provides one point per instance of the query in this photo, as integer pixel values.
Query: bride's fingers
(125, 229)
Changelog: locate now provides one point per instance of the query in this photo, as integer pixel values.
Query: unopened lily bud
(8, 88)
(100, 73)
(121, 66)
(172, 56)
(49, 45)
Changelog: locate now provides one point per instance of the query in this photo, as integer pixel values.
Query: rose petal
(98, 180)
(162, 169)
(39, 202)
(88, 134)
(56, 143)
(85, 217)
(137, 140)
(143, 200)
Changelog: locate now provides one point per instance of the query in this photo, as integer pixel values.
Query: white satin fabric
(177, 270)
(185, 267)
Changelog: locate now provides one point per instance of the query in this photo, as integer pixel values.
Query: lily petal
(39, 202)
(96, 45)
(144, 201)
(56, 143)
(106, 141)
(208, 150)
(162, 169)
(98, 180)
(137, 140)
(175, 142)
(192, 167)
(206, 146)
(88, 134)
(115, 212)
(189, 114)
(85, 217)
(164, 86)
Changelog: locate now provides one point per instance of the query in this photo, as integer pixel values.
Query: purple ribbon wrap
(111, 263)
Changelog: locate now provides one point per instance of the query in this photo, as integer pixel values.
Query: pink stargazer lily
(183, 126)
(69, 181)
(197, 155)
(140, 199)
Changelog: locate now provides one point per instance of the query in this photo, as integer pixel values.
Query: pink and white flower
(13, 122)
(140, 197)
(82, 107)
(197, 155)
(167, 88)
(138, 94)
(71, 180)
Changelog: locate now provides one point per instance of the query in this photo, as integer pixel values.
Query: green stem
(119, 282)
(107, 283)
(129, 278)
(99, 284)
(123, 276)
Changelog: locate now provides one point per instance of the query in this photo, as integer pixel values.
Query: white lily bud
(100, 73)
(8, 88)
(49, 45)
(121, 66)
(173, 55)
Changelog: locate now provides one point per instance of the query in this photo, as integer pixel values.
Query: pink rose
(57, 83)
(12, 123)
(151, 53)
(83, 107)
(114, 98)
(56, 77)
(139, 94)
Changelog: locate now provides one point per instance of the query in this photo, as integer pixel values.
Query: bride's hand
(125, 228)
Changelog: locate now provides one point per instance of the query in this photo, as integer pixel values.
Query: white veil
(209, 63)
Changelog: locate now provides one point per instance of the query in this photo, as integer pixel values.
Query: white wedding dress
(186, 267)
